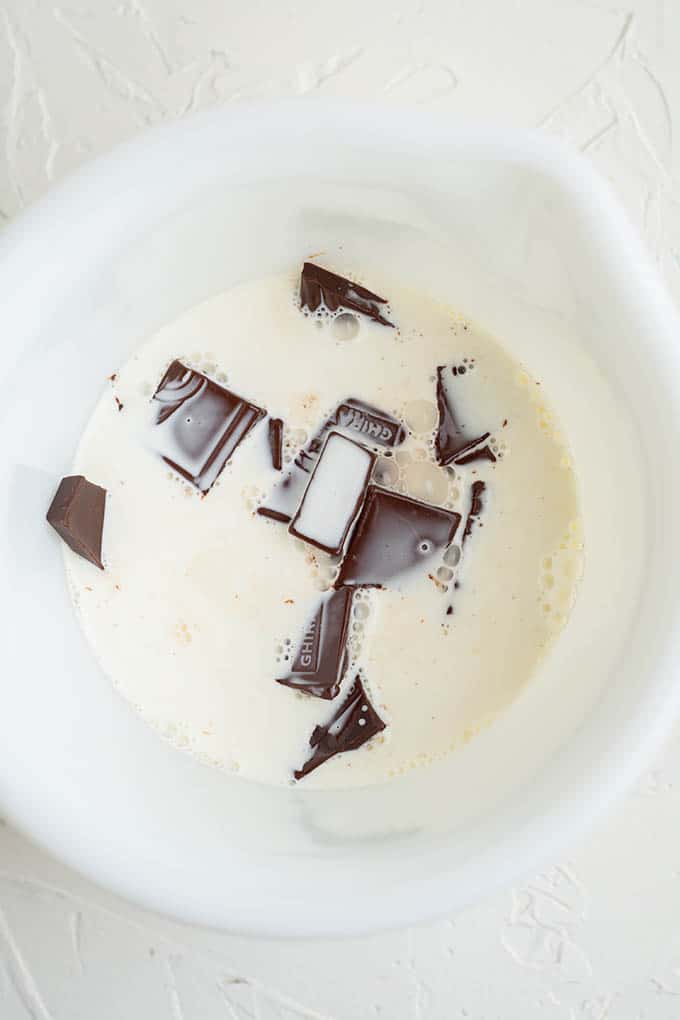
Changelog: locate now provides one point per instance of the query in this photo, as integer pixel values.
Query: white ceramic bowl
(521, 236)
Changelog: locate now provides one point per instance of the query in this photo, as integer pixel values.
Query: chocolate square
(456, 442)
(321, 658)
(394, 533)
(199, 424)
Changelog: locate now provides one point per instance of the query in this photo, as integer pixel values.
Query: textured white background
(598, 936)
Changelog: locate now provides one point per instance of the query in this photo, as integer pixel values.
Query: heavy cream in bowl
(209, 610)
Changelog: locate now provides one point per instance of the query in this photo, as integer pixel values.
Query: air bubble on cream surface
(345, 326)
(420, 416)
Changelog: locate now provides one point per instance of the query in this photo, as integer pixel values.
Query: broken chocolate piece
(321, 659)
(199, 424)
(393, 534)
(354, 723)
(335, 494)
(275, 515)
(481, 453)
(276, 442)
(476, 508)
(372, 424)
(77, 515)
(350, 417)
(454, 442)
(319, 286)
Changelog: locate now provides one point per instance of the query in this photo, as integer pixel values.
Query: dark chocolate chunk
(480, 453)
(476, 508)
(199, 424)
(77, 515)
(321, 659)
(393, 534)
(454, 442)
(276, 442)
(351, 726)
(319, 286)
(335, 494)
(372, 424)
(352, 416)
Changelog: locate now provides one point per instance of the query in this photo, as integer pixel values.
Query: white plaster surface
(598, 936)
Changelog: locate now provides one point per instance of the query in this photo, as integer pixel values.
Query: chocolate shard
(77, 515)
(199, 424)
(276, 442)
(351, 726)
(394, 533)
(351, 417)
(476, 510)
(455, 442)
(319, 286)
(480, 453)
(334, 495)
(321, 659)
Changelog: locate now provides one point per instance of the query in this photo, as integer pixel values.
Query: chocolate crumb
(276, 442)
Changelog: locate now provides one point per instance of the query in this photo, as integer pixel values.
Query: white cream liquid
(203, 602)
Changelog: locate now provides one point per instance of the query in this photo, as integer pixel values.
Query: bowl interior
(517, 237)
